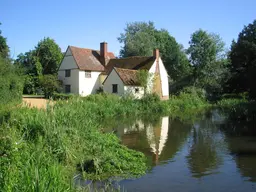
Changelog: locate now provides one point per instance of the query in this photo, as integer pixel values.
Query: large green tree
(207, 55)
(140, 38)
(4, 49)
(243, 61)
(44, 59)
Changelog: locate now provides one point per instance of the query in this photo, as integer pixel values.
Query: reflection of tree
(242, 144)
(203, 156)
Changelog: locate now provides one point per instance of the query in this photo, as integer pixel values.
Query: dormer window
(67, 73)
(88, 74)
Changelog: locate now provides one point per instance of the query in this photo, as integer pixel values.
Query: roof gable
(88, 59)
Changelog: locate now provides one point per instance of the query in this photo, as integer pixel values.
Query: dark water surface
(210, 154)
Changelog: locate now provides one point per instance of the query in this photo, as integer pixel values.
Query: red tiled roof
(88, 59)
(128, 76)
(134, 63)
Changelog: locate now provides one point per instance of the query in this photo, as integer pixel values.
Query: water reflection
(241, 139)
(191, 156)
(204, 154)
(159, 139)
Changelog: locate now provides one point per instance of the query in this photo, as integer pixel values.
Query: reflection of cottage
(156, 136)
(83, 72)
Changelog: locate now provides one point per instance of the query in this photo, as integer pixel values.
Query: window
(67, 88)
(67, 73)
(137, 90)
(114, 88)
(88, 74)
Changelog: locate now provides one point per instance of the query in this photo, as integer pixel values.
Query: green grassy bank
(42, 150)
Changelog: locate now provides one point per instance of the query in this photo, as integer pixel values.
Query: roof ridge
(88, 49)
(131, 57)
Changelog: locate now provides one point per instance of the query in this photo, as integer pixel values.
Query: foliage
(49, 54)
(145, 79)
(49, 84)
(206, 52)
(44, 59)
(243, 62)
(11, 83)
(4, 49)
(44, 149)
(30, 84)
(140, 38)
(61, 96)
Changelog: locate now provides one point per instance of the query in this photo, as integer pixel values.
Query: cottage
(84, 71)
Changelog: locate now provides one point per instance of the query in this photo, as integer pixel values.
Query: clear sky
(86, 23)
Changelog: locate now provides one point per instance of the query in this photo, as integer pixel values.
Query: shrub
(49, 84)
(62, 96)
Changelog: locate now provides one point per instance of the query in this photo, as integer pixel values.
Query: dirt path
(36, 102)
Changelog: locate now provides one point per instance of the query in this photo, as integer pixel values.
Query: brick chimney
(156, 54)
(103, 52)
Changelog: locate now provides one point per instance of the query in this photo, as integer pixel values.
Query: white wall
(72, 80)
(90, 85)
(164, 78)
(68, 61)
(113, 78)
(130, 91)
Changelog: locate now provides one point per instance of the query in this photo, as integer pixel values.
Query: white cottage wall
(88, 85)
(164, 78)
(73, 80)
(113, 78)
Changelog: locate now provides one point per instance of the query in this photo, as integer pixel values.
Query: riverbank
(45, 149)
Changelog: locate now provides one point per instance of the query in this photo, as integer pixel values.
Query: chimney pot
(156, 53)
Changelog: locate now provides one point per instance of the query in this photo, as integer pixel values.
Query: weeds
(42, 150)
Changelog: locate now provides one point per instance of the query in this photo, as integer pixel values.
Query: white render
(113, 78)
(90, 85)
(73, 80)
(164, 78)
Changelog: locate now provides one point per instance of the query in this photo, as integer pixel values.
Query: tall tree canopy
(4, 49)
(243, 61)
(206, 53)
(44, 59)
(140, 38)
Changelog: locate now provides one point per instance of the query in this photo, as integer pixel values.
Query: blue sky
(86, 23)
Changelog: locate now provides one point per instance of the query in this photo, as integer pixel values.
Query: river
(207, 154)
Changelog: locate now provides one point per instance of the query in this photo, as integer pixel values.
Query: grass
(42, 150)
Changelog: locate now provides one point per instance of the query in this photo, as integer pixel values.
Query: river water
(207, 154)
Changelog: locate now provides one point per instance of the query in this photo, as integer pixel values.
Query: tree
(243, 61)
(44, 59)
(140, 38)
(206, 54)
(49, 84)
(4, 49)
(49, 56)
(11, 83)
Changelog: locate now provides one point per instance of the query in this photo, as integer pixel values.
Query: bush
(194, 92)
(49, 84)
(11, 83)
(62, 96)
